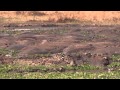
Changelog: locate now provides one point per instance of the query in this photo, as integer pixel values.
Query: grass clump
(4, 51)
(116, 57)
(37, 56)
(10, 32)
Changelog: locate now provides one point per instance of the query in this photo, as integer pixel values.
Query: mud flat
(61, 43)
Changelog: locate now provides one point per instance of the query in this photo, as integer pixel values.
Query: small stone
(8, 55)
(72, 63)
(61, 69)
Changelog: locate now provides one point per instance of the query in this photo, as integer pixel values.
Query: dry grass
(102, 17)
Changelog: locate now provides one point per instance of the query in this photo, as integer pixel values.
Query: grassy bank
(55, 72)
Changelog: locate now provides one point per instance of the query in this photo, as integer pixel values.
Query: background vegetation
(91, 17)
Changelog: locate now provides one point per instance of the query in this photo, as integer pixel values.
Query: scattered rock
(73, 63)
(61, 69)
(106, 61)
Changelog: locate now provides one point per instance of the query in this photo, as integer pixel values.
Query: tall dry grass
(103, 17)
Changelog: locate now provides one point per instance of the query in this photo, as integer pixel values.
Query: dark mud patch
(16, 47)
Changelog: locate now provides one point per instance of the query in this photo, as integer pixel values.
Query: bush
(36, 13)
(63, 20)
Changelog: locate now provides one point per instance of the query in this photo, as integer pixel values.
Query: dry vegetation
(97, 17)
(60, 44)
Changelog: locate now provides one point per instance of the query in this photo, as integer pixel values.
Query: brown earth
(54, 43)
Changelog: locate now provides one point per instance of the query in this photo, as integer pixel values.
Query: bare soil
(61, 43)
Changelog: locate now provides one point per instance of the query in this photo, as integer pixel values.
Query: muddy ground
(55, 43)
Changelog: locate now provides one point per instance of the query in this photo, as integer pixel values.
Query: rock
(61, 69)
(106, 61)
(44, 41)
(89, 55)
(8, 55)
(100, 60)
(73, 63)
